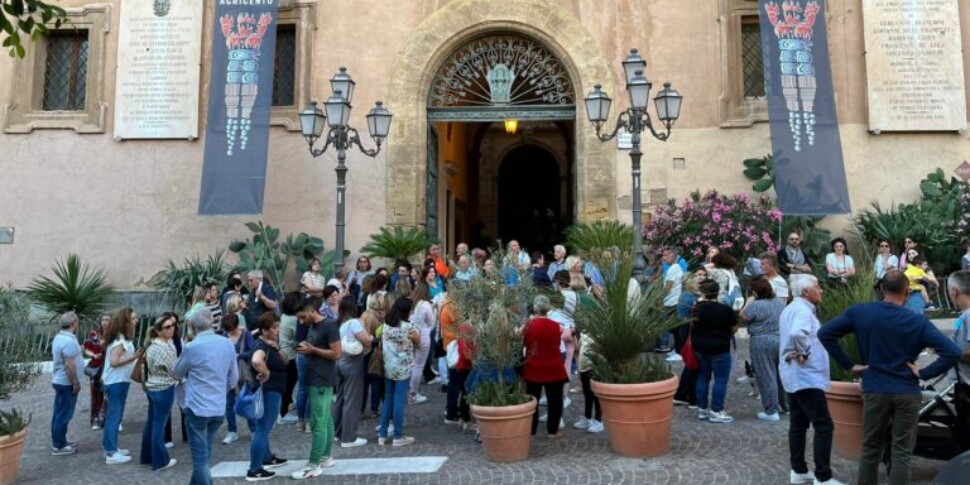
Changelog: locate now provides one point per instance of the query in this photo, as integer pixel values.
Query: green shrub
(180, 281)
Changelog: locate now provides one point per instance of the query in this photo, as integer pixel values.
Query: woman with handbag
(377, 307)
(687, 386)
(159, 387)
(243, 342)
(713, 329)
(269, 367)
(116, 377)
(422, 317)
(354, 343)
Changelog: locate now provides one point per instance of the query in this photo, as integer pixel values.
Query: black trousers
(808, 408)
(592, 408)
(168, 428)
(553, 403)
(290, 385)
(456, 407)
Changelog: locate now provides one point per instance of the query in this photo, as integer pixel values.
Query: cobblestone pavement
(747, 451)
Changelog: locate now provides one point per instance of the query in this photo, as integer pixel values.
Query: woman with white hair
(543, 369)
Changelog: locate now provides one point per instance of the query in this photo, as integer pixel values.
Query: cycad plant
(495, 305)
(624, 330)
(74, 287)
(398, 244)
(180, 281)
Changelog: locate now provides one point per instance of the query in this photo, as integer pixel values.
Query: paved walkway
(747, 451)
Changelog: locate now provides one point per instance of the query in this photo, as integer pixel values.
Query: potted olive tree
(16, 373)
(634, 385)
(493, 305)
(844, 396)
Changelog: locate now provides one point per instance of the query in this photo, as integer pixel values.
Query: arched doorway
(591, 184)
(529, 196)
(483, 84)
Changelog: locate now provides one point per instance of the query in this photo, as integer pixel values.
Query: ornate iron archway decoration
(498, 76)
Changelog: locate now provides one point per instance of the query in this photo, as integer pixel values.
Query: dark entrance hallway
(529, 198)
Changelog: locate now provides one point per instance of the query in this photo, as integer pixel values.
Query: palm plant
(495, 305)
(624, 330)
(16, 371)
(397, 244)
(180, 281)
(74, 287)
(589, 240)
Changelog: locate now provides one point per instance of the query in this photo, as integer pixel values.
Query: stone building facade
(68, 186)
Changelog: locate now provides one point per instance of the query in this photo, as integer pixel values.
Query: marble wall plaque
(159, 53)
(914, 65)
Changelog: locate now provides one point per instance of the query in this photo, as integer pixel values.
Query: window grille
(66, 70)
(751, 59)
(284, 69)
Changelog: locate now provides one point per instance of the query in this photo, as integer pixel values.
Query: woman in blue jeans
(160, 357)
(242, 340)
(269, 366)
(714, 325)
(116, 379)
(397, 342)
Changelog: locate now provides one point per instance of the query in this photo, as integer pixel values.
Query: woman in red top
(543, 364)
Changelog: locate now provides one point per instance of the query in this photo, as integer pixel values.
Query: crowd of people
(365, 343)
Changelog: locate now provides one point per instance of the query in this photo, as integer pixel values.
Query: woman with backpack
(355, 343)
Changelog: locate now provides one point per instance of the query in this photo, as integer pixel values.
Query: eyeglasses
(793, 239)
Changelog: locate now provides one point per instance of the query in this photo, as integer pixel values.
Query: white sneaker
(595, 427)
(117, 459)
(172, 462)
(290, 418)
(403, 441)
(566, 402)
(581, 423)
(769, 417)
(354, 444)
(419, 398)
(674, 357)
(801, 478)
(436, 380)
(702, 414)
(543, 401)
(121, 428)
(123, 452)
(169, 445)
(562, 424)
(328, 462)
(230, 438)
(311, 471)
(830, 481)
(719, 417)
(544, 417)
(390, 428)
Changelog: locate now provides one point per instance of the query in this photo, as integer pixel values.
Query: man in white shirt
(804, 371)
(769, 267)
(68, 369)
(673, 284)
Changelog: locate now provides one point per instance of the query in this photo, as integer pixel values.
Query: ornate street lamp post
(635, 120)
(342, 136)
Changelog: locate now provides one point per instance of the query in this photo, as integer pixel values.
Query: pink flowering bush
(736, 224)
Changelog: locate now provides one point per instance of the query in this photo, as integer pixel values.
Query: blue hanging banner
(240, 91)
(808, 164)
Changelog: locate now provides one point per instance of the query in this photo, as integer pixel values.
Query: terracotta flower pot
(506, 431)
(637, 416)
(845, 406)
(10, 447)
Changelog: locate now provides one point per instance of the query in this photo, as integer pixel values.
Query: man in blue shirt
(68, 368)
(890, 339)
(209, 369)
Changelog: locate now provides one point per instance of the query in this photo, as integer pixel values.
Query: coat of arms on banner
(244, 38)
(794, 25)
